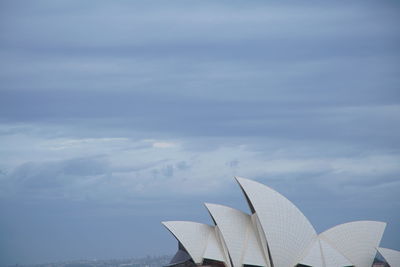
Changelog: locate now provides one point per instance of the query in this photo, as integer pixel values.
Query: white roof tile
(357, 241)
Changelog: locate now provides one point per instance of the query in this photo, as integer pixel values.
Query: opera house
(275, 234)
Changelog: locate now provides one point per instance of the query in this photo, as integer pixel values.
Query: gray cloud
(182, 165)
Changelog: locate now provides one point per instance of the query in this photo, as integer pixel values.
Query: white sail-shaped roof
(261, 238)
(238, 234)
(277, 234)
(332, 257)
(214, 249)
(323, 254)
(313, 256)
(287, 230)
(255, 254)
(357, 241)
(391, 256)
(198, 239)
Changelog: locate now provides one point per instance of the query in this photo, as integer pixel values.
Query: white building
(276, 234)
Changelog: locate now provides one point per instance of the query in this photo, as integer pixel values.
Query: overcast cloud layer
(116, 115)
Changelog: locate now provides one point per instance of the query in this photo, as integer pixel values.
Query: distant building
(275, 234)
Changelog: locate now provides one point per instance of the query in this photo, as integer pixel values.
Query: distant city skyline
(148, 261)
(117, 115)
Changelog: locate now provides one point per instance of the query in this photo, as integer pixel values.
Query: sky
(117, 115)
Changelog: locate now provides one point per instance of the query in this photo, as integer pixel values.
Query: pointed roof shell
(391, 256)
(323, 254)
(238, 234)
(214, 249)
(198, 239)
(332, 257)
(356, 240)
(287, 230)
(313, 256)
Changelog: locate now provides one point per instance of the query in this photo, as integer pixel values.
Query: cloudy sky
(116, 115)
